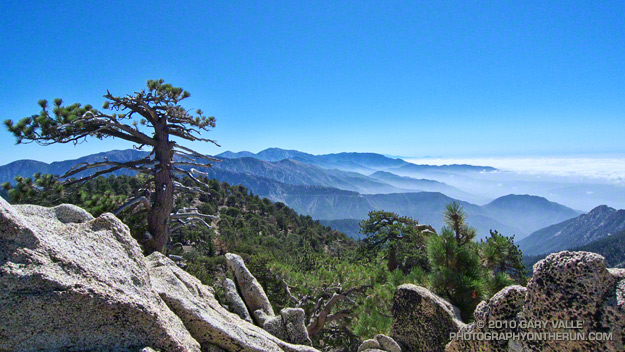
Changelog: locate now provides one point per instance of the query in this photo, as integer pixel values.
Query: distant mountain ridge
(612, 248)
(538, 212)
(334, 194)
(350, 161)
(357, 162)
(597, 224)
(414, 169)
(27, 168)
(293, 172)
(422, 184)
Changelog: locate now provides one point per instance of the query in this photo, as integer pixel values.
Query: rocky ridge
(599, 223)
(571, 303)
(72, 282)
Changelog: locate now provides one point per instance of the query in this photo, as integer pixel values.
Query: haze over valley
(341, 189)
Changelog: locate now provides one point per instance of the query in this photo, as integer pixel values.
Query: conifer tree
(390, 232)
(504, 260)
(455, 218)
(149, 118)
(457, 273)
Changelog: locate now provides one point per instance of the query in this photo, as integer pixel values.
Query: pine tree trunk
(392, 259)
(158, 216)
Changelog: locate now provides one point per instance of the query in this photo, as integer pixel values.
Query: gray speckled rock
(204, 317)
(380, 343)
(371, 344)
(619, 274)
(575, 286)
(64, 213)
(288, 326)
(69, 281)
(295, 326)
(387, 343)
(251, 291)
(566, 287)
(503, 306)
(423, 321)
(235, 302)
(272, 324)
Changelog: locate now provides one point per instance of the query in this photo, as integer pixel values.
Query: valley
(347, 186)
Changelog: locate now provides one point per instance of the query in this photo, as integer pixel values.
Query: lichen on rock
(422, 321)
(573, 288)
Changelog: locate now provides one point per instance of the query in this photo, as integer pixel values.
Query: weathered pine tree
(386, 231)
(149, 118)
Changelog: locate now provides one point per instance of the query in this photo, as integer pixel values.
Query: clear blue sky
(442, 78)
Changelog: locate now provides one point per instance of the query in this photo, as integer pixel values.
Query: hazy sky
(428, 78)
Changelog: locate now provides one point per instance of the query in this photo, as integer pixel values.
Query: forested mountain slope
(611, 247)
(597, 224)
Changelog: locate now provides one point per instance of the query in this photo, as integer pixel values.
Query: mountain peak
(232, 155)
(602, 209)
(528, 198)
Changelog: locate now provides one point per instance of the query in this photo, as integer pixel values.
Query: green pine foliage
(398, 237)
(503, 259)
(456, 271)
(103, 194)
(466, 272)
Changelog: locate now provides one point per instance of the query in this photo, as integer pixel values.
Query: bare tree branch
(321, 316)
(131, 165)
(182, 187)
(196, 154)
(190, 175)
(182, 223)
(133, 203)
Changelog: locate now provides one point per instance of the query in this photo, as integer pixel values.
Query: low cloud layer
(606, 169)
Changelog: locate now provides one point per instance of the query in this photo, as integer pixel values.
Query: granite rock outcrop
(71, 282)
(422, 321)
(571, 303)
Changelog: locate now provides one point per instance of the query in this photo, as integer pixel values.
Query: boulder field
(72, 282)
(571, 303)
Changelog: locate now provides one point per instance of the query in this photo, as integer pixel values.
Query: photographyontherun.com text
(572, 333)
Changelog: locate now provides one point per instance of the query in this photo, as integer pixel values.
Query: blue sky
(437, 78)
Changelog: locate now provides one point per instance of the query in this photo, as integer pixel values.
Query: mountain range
(294, 172)
(612, 248)
(364, 163)
(339, 193)
(341, 189)
(599, 223)
(27, 168)
(537, 212)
